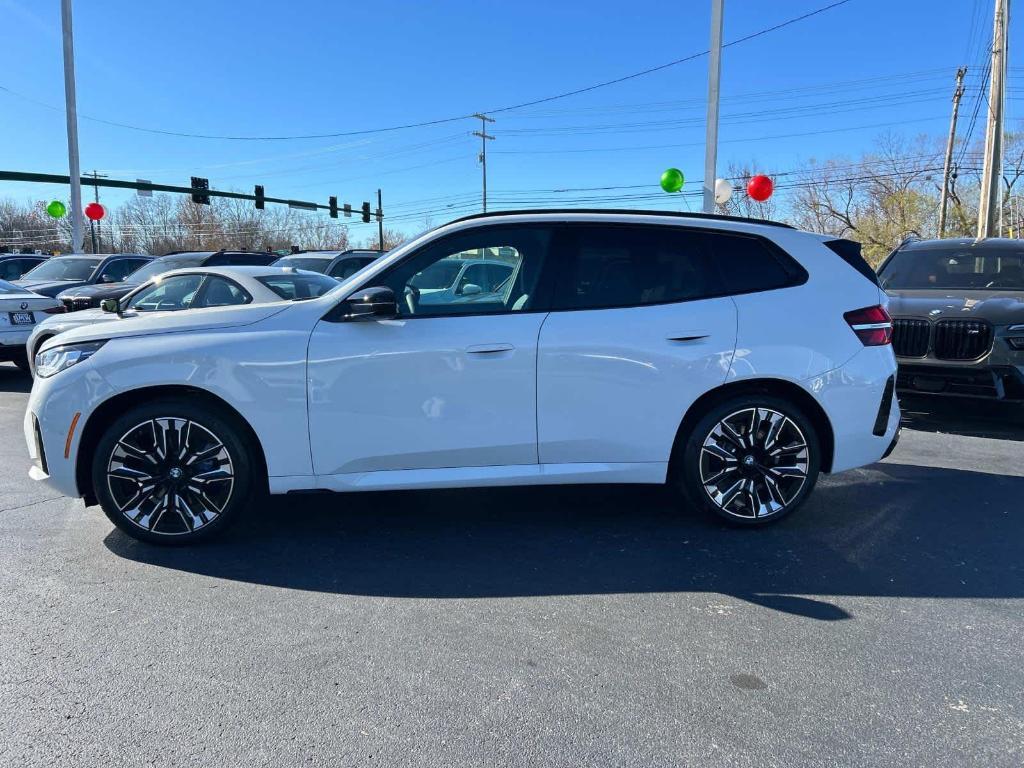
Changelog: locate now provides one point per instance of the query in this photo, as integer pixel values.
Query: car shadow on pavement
(13, 379)
(963, 416)
(887, 530)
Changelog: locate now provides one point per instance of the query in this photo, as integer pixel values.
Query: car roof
(990, 243)
(325, 255)
(243, 270)
(456, 260)
(598, 214)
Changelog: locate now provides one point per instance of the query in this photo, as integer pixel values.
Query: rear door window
(627, 266)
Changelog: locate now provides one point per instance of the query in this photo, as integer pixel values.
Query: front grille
(962, 339)
(77, 303)
(910, 337)
(992, 383)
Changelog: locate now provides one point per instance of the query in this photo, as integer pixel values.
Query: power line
(661, 67)
(441, 121)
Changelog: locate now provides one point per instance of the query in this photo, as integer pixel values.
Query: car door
(634, 337)
(440, 386)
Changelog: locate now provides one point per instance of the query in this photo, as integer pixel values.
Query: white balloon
(723, 191)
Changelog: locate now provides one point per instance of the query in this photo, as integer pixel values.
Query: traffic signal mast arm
(51, 178)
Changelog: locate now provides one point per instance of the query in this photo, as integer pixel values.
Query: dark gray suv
(958, 316)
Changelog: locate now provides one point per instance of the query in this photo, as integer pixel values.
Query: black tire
(776, 492)
(173, 512)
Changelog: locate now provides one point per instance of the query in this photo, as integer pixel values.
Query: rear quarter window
(747, 264)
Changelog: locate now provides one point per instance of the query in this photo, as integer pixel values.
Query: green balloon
(56, 209)
(672, 180)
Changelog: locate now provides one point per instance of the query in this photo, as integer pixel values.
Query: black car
(13, 266)
(89, 296)
(62, 272)
(958, 316)
(340, 265)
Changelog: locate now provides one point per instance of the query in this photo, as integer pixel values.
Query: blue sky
(825, 86)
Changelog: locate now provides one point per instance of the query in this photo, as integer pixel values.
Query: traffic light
(260, 197)
(348, 210)
(200, 185)
(332, 202)
(366, 213)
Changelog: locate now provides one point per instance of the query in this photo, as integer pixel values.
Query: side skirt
(476, 477)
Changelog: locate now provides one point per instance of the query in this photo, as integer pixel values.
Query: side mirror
(370, 304)
(111, 305)
(471, 289)
(107, 279)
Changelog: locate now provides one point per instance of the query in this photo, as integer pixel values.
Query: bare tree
(392, 237)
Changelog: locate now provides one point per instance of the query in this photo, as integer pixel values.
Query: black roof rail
(628, 211)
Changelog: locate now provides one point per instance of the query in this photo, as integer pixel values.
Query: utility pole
(94, 226)
(714, 78)
(992, 167)
(484, 138)
(380, 220)
(944, 198)
(71, 112)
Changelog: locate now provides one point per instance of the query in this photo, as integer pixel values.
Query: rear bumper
(857, 399)
(986, 382)
(12, 343)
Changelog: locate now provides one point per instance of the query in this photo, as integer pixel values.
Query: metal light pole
(71, 111)
(714, 76)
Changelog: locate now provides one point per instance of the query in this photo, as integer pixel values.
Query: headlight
(56, 359)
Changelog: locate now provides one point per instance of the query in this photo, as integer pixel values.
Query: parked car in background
(90, 296)
(192, 289)
(958, 316)
(730, 358)
(13, 266)
(59, 273)
(338, 264)
(20, 311)
(466, 279)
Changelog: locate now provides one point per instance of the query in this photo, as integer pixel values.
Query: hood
(101, 290)
(47, 287)
(168, 322)
(67, 321)
(998, 307)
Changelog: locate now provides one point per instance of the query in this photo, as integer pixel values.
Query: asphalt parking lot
(882, 625)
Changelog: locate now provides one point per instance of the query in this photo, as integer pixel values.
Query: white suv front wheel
(751, 460)
(172, 472)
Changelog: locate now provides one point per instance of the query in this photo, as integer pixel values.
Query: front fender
(261, 373)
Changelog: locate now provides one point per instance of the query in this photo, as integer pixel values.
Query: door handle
(689, 336)
(489, 349)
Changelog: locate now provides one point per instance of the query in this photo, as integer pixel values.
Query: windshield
(955, 268)
(6, 287)
(312, 263)
(440, 274)
(159, 266)
(64, 268)
(299, 287)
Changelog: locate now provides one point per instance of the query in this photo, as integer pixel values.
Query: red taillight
(56, 310)
(872, 325)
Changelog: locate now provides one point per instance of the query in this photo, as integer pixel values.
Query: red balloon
(95, 211)
(760, 188)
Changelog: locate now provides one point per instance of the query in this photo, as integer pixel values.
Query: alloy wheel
(170, 476)
(753, 463)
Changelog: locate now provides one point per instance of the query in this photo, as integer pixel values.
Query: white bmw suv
(733, 359)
